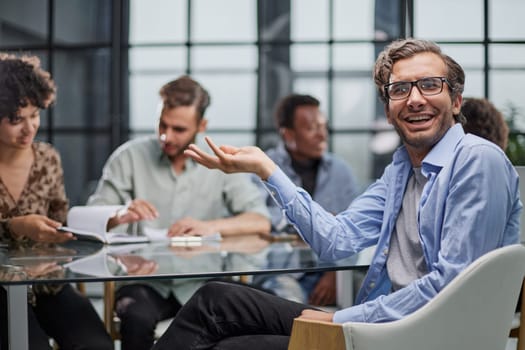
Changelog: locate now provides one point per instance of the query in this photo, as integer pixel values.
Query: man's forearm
(244, 223)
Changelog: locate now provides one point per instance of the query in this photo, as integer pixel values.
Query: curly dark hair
(23, 82)
(185, 91)
(485, 120)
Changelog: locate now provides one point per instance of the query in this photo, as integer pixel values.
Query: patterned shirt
(43, 192)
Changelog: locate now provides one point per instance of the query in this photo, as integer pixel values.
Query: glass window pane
(474, 83)
(225, 20)
(18, 26)
(79, 21)
(354, 56)
(353, 148)
(83, 81)
(505, 21)
(309, 57)
(145, 100)
(309, 20)
(158, 21)
(317, 87)
(354, 102)
(435, 20)
(81, 173)
(44, 116)
(468, 56)
(507, 56)
(244, 57)
(153, 59)
(353, 19)
(507, 93)
(232, 139)
(233, 100)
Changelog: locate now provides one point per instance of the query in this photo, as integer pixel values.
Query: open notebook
(90, 222)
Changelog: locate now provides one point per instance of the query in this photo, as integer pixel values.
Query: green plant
(516, 146)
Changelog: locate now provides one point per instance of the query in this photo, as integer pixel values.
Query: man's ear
(456, 104)
(286, 134)
(203, 124)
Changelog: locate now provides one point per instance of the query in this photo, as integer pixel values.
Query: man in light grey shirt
(162, 188)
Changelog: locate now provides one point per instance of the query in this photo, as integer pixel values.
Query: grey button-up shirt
(139, 169)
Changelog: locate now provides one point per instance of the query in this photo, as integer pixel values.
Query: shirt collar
(440, 154)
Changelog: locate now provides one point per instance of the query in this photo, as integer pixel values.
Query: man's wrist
(267, 170)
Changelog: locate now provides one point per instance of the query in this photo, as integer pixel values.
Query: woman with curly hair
(485, 120)
(33, 204)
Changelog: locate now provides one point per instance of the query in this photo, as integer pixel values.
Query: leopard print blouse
(43, 194)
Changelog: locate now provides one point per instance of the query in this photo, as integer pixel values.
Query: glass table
(85, 261)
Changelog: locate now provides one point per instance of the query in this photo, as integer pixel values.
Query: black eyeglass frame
(415, 83)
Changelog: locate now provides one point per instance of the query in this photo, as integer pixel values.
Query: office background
(110, 57)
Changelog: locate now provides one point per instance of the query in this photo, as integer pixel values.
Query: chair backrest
(473, 312)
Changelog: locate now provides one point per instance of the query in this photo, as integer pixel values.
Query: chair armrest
(316, 335)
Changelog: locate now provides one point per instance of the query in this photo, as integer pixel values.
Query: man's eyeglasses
(427, 87)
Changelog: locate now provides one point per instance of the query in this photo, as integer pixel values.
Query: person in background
(435, 209)
(33, 204)
(302, 155)
(165, 189)
(485, 120)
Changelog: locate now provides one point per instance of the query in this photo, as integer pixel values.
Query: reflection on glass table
(89, 261)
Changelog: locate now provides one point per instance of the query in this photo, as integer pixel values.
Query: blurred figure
(165, 189)
(485, 120)
(33, 204)
(302, 155)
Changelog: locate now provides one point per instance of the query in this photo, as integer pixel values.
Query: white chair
(517, 331)
(474, 312)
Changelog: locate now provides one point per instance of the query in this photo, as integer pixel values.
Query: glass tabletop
(85, 261)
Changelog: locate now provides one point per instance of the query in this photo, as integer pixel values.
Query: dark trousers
(223, 315)
(140, 308)
(68, 317)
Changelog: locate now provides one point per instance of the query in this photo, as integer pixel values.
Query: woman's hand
(229, 159)
(38, 228)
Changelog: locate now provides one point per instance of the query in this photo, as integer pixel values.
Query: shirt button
(385, 251)
(371, 285)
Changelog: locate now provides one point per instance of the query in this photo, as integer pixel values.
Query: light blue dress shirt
(469, 206)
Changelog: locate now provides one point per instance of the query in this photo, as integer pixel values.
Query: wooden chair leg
(109, 315)
(81, 287)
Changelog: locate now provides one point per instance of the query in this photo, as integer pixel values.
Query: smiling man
(446, 199)
(163, 188)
